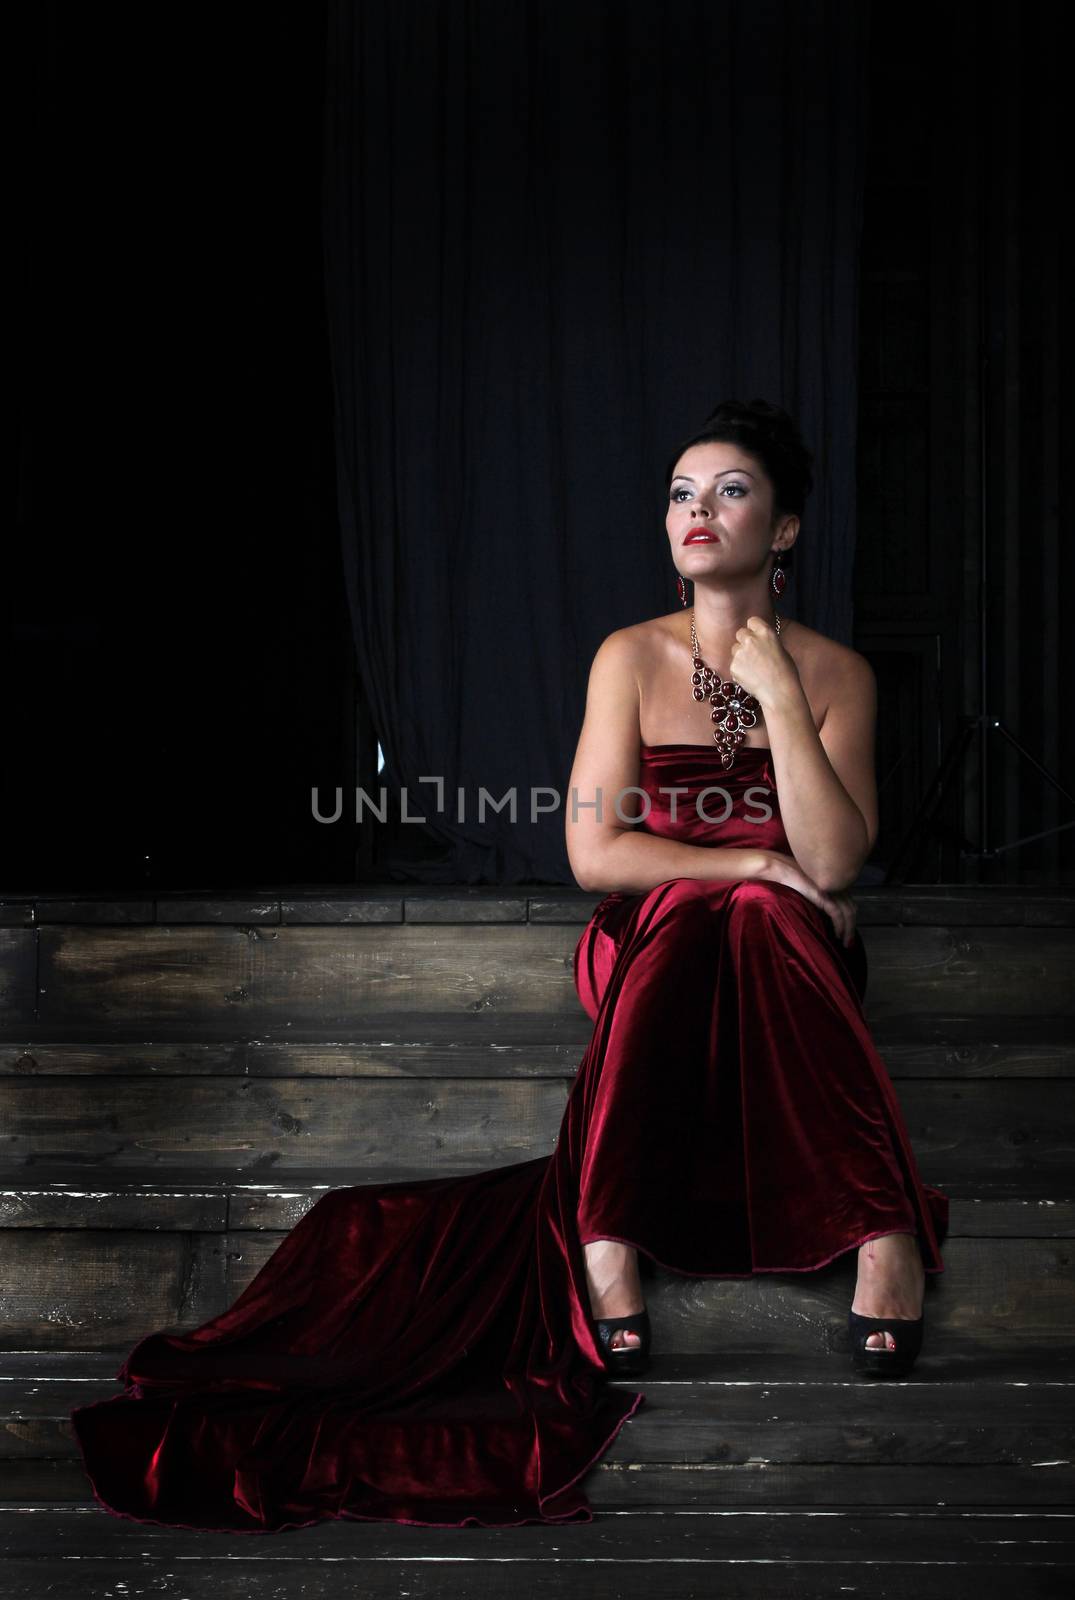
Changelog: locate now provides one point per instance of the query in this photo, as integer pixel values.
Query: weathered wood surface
(1008, 1129)
(640, 1534)
(56, 1297)
(522, 1046)
(1049, 1365)
(713, 1431)
(766, 1483)
(792, 1553)
(615, 1486)
(1033, 1576)
(93, 1289)
(714, 1408)
(948, 904)
(216, 1201)
(155, 1205)
(257, 1124)
(18, 976)
(265, 979)
(180, 1082)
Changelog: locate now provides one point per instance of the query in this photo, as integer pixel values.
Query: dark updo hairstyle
(770, 435)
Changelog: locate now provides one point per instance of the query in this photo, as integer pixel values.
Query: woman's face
(719, 487)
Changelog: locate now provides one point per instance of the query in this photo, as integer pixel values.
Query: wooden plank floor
(75, 1553)
(718, 1429)
(739, 1476)
(182, 1077)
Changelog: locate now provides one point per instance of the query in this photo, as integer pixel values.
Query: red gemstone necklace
(733, 708)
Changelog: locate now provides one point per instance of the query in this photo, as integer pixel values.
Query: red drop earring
(778, 577)
(682, 587)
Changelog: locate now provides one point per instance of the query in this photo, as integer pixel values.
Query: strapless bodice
(694, 799)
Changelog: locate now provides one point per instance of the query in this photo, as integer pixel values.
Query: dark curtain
(556, 235)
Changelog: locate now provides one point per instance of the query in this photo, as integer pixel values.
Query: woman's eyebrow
(716, 475)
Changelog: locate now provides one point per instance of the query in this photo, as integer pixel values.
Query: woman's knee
(756, 900)
(680, 904)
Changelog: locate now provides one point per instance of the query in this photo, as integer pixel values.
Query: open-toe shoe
(624, 1361)
(880, 1362)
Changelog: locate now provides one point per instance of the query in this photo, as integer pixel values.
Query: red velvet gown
(422, 1352)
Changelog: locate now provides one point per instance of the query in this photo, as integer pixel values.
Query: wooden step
(314, 960)
(271, 905)
(91, 1289)
(263, 981)
(714, 1429)
(790, 1553)
(620, 1485)
(1011, 1131)
(212, 1200)
(522, 1045)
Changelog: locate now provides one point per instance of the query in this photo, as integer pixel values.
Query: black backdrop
(555, 235)
(178, 663)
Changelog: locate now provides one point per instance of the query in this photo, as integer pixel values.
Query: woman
(799, 1153)
(436, 1351)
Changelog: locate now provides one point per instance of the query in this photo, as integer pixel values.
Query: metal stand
(986, 724)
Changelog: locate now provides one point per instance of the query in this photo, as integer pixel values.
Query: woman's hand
(760, 663)
(840, 907)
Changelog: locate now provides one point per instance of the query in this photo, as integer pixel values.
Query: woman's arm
(606, 852)
(634, 861)
(826, 781)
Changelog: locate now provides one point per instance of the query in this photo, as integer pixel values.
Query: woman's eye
(741, 487)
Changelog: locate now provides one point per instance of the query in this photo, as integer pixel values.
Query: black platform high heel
(626, 1361)
(881, 1362)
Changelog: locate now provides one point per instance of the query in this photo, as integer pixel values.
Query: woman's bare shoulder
(829, 670)
(636, 640)
(655, 633)
(819, 648)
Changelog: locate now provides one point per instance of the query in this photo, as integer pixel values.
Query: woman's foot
(615, 1286)
(891, 1283)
